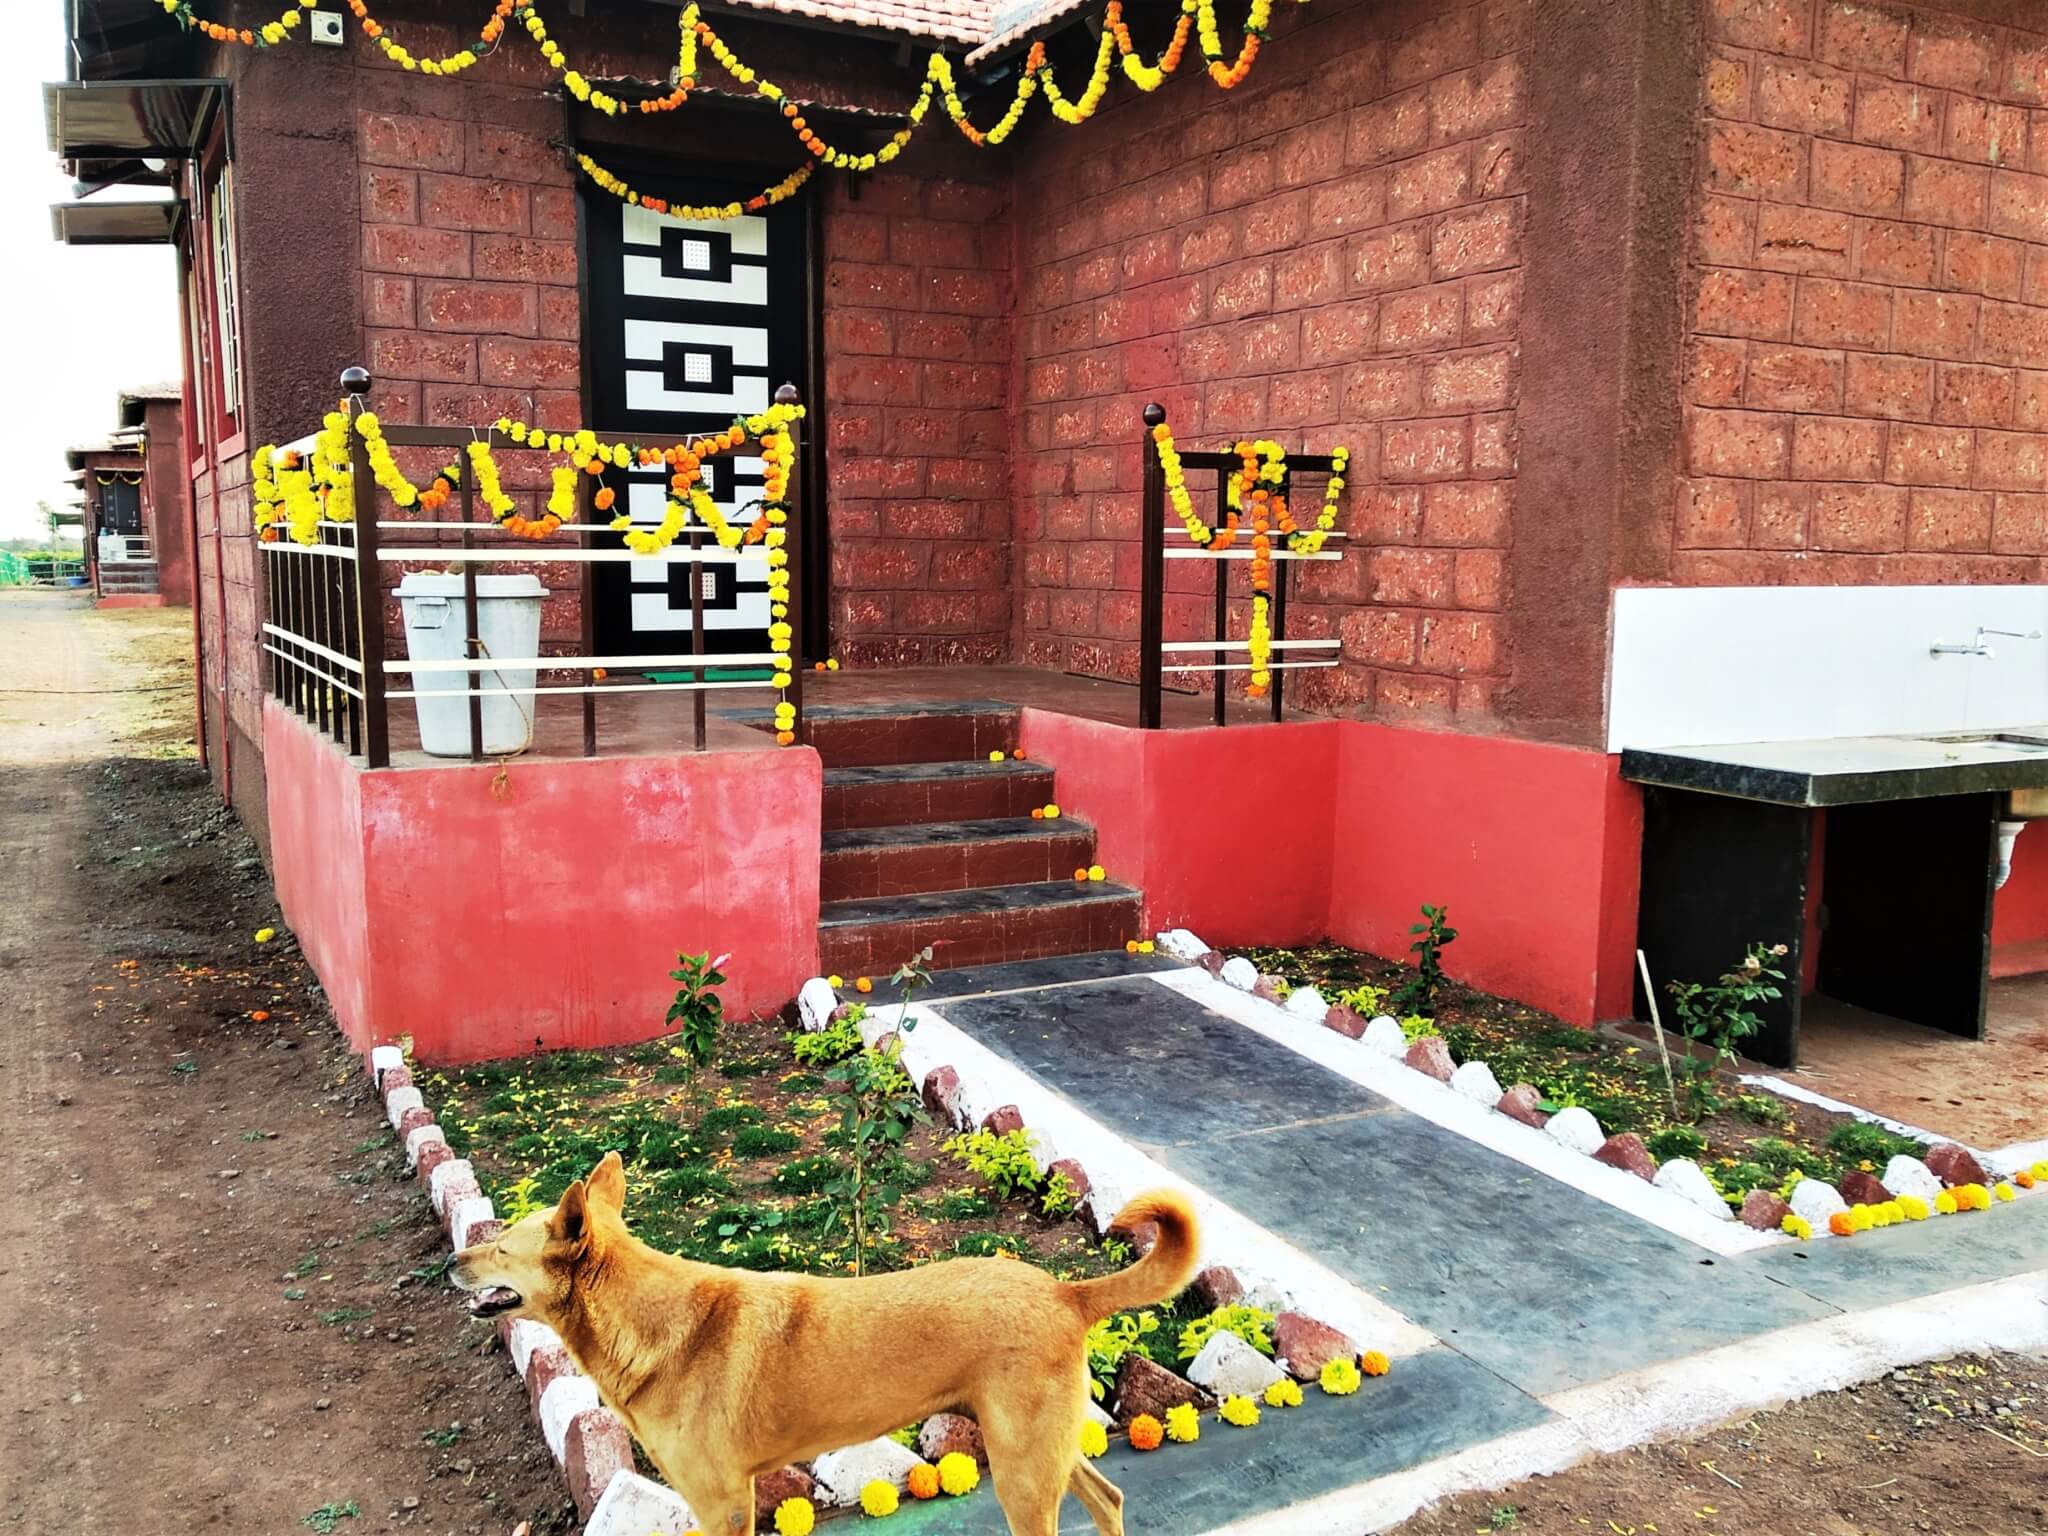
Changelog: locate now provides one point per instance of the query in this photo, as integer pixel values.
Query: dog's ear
(571, 1220)
(607, 1183)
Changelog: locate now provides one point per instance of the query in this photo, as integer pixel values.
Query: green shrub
(1005, 1161)
(1676, 1141)
(1248, 1323)
(987, 1245)
(963, 1205)
(729, 1117)
(835, 1042)
(764, 1141)
(805, 1175)
(1858, 1141)
(1109, 1340)
(1365, 1000)
(1060, 1196)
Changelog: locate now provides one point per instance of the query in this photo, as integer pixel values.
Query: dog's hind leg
(1103, 1500)
(1032, 1445)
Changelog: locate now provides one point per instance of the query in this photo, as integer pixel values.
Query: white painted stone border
(1422, 1095)
(588, 1441)
(1686, 1396)
(1117, 1171)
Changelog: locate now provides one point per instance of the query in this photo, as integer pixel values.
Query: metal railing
(1156, 550)
(324, 618)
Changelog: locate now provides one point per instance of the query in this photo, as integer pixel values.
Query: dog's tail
(1163, 1272)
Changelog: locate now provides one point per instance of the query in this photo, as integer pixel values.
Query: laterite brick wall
(1867, 380)
(1329, 254)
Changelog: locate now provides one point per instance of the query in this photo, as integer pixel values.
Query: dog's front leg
(720, 1508)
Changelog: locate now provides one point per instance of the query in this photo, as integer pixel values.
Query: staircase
(128, 578)
(928, 842)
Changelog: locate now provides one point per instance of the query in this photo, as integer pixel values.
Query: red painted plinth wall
(484, 924)
(1286, 833)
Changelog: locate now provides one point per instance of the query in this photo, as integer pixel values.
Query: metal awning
(129, 119)
(132, 223)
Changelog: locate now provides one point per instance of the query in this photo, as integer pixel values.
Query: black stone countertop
(1850, 770)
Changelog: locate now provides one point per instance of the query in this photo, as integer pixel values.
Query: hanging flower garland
(1197, 16)
(269, 35)
(768, 197)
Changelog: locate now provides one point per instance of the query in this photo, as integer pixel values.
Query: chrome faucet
(1977, 647)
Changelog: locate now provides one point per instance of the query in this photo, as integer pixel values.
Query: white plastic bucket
(508, 624)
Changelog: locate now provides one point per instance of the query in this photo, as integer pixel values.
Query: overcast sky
(80, 322)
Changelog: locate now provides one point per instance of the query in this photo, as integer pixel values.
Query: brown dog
(724, 1374)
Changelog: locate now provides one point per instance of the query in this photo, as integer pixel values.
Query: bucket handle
(438, 606)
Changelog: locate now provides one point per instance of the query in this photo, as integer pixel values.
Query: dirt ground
(1957, 1448)
(218, 1296)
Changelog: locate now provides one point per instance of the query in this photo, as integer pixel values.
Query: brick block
(1311, 276)
(1792, 379)
(1728, 84)
(1383, 636)
(1424, 450)
(1968, 395)
(1476, 101)
(1949, 520)
(1750, 445)
(1859, 517)
(1471, 381)
(1986, 131)
(1854, 34)
(1493, 307)
(1341, 207)
(1446, 42)
(2019, 205)
(1407, 696)
(2014, 333)
(503, 308)
(1484, 239)
(1832, 313)
(1393, 258)
(1387, 514)
(524, 259)
(1724, 228)
(596, 1449)
(1430, 183)
(1776, 26)
(1422, 319)
(419, 143)
(1943, 192)
(1453, 644)
(2012, 461)
(1241, 291)
(1712, 514)
(2030, 401)
(525, 364)
(1984, 264)
(1412, 577)
(1731, 303)
(1474, 512)
(1837, 448)
(1858, 178)
(1755, 162)
(1951, 52)
(1790, 238)
(473, 203)
(422, 355)
(2019, 525)
(1935, 324)
(1480, 579)
(1802, 97)
(1778, 515)
(1714, 371)
(388, 301)
(1338, 333)
(390, 195)
(1899, 116)
(1926, 455)
(1896, 253)
(420, 252)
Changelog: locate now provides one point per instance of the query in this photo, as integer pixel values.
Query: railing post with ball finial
(1151, 573)
(792, 525)
(355, 384)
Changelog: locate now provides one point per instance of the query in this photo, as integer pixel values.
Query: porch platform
(648, 724)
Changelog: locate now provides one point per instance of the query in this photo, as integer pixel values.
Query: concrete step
(866, 735)
(979, 926)
(889, 795)
(951, 856)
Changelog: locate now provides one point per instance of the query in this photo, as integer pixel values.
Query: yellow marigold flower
(1861, 1219)
(1284, 1393)
(795, 1517)
(1913, 1208)
(265, 935)
(957, 1473)
(1183, 1424)
(877, 1499)
(2005, 1191)
(2040, 1169)
(1339, 1378)
(1240, 1411)
(1373, 1363)
(835, 982)
(1094, 1439)
(1796, 1226)
(995, 757)
(1946, 1202)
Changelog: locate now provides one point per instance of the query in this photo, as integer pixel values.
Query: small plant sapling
(1720, 1016)
(1418, 993)
(696, 1013)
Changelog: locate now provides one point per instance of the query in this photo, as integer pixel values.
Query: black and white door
(688, 324)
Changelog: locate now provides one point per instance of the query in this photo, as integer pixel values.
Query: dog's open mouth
(492, 1300)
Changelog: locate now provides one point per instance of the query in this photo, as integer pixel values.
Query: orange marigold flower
(862, 984)
(1373, 1363)
(924, 1481)
(605, 497)
(1842, 1224)
(1146, 1433)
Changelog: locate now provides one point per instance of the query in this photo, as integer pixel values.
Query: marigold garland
(1114, 42)
(781, 192)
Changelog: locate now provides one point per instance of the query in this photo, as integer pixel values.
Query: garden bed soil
(739, 1178)
(1917, 1451)
(1754, 1139)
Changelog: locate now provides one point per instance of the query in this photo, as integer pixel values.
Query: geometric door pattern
(688, 324)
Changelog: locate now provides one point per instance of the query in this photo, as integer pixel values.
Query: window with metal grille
(697, 255)
(696, 367)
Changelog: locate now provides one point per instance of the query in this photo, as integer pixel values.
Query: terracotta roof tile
(953, 21)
